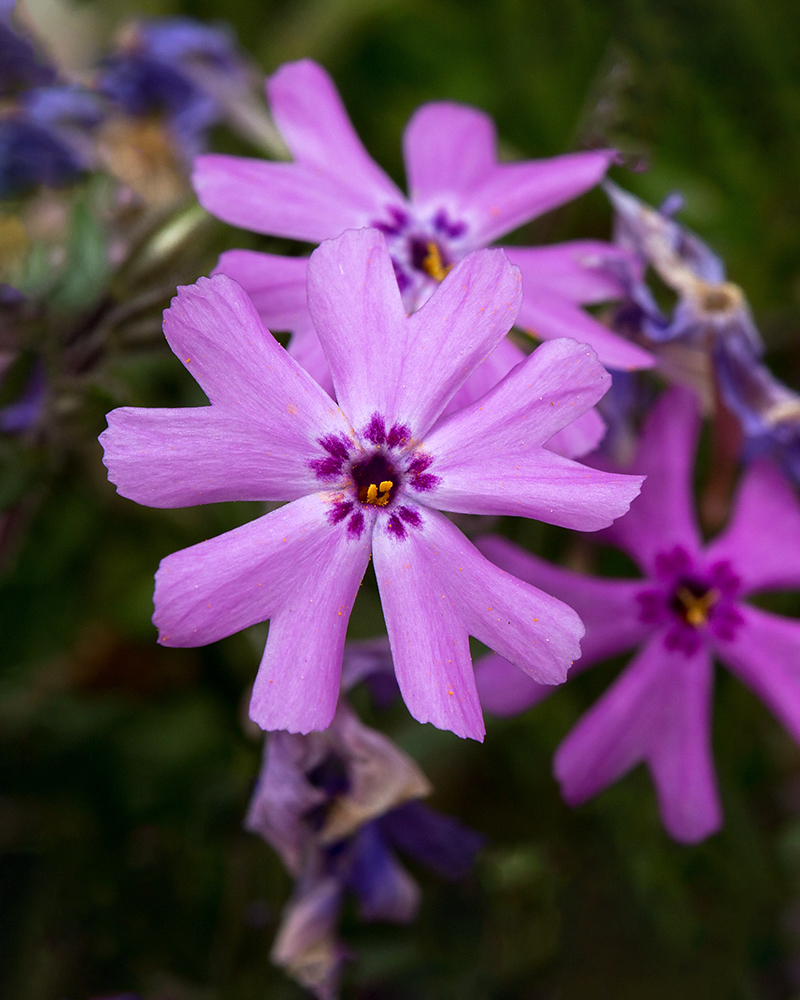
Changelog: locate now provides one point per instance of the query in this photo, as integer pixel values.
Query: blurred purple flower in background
(461, 199)
(366, 479)
(335, 805)
(709, 307)
(20, 66)
(686, 611)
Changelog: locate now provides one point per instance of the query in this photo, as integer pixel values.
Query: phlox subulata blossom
(366, 477)
(460, 199)
(687, 610)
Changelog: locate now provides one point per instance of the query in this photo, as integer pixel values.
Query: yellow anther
(369, 494)
(697, 608)
(432, 263)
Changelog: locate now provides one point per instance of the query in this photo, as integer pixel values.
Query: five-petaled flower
(461, 199)
(688, 610)
(365, 477)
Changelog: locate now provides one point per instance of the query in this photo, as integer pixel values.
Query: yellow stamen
(432, 263)
(697, 608)
(369, 494)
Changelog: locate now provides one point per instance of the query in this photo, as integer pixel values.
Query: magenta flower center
(376, 480)
(372, 475)
(693, 602)
(423, 251)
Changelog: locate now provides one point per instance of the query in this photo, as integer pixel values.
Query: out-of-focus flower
(461, 199)
(768, 411)
(45, 129)
(20, 66)
(47, 139)
(171, 80)
(335, 805)
(686, 611)
(709, 307)
(367, 477)
(711, 315)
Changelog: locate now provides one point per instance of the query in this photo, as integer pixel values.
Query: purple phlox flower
(460, 199)
(46, 138)
(334, 805)
(708, 308)
(181, 70)
(768, 410)
(143, 87)
(687, 610)
(20, 66)
(43, 129)
(367, 477)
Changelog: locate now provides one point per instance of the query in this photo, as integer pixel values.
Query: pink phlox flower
(460, 199)
(687, 610)
(366, 477)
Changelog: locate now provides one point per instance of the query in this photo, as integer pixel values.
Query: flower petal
(580, 437)
(276, 285)
(436, 588)
(440, 842)
(489, 457)
(574, 270)
(306, 944)
(515, 193)
(282, 797)
(762, 539)
(204, 454)
(214, 329)
(548, 316)
(292, 566)
(430, 646)
(281, 199)
(314, 124)
(766, 656)
(405, 368)
(277, 288)
(448, 149)
(608, 608)
(664, 515)
(384, 888)
(486, 376)
(659, 711)
(504, 690)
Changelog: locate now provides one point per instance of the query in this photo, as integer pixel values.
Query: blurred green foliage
(125, 768)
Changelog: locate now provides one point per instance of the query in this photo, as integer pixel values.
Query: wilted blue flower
(335, 805)
(708, 308)
(768, 411)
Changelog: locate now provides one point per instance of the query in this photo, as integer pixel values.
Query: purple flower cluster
(402, 400)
